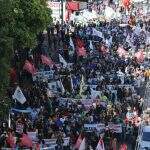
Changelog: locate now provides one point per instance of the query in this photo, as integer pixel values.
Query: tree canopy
(20, 23)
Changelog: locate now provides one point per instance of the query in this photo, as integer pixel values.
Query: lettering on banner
(117, 128)
(90, 127)
(50, 142)
(87, 102)
(91, 86)
(127, 86)
(43, 75)
(54, 5)
(53, 86)
(100, 127)
(62, 101)
(94, 127)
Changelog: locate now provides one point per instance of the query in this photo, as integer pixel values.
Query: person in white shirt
(121, 76)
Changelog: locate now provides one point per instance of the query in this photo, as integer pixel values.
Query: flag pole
(62, 13)
(9, 120)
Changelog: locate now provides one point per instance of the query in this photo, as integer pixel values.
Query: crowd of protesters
(98, 74)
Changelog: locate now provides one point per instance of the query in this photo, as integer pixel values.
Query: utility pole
(62, 13)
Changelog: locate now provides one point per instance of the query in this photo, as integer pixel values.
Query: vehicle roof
(146, 129)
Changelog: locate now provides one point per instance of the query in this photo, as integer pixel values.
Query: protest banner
(32, 135)
(53, 85)
(49, 148)
(86, 102)
(62, 101)
(66, 141)
(52, 142)
(21, 111)
(127, 86)
(101, 127)
(43, 75)
(117, 128)
(91, 86)
(94, 127)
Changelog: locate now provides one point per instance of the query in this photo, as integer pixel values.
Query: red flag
(10, 140)
(81, 51)
(123, 147)
(100, 145)
(26, 141)
(139, 56)
(46, 60)
(79, 43)
(29, 67)
(13, 75)
(104, 50)
(126, 3)
(78, 142)
(121, 52)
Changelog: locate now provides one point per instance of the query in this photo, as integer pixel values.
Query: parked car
(144, 139)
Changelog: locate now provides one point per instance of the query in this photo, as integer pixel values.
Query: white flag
(82, 84)
(19, 96)
(71, 44)
(61, 59)
(9, 120)
(62, 87)
(82, 146)
(71, 83)
(100, 145)
(91, 45)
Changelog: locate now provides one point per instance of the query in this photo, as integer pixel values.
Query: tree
(20, 23)
(6, 22)
(30, 18)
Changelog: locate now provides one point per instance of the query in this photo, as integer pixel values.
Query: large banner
(43, 75)
(32, 135)
(49, 148)
(86, 102)
(117, 128)
(54, 85)
(94, 127)
(52, 142)
(56, 9)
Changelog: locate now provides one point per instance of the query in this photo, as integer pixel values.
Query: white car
(144, 139)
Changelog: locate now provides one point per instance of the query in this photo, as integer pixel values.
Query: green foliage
(5, 55)
(31, 17)
(20, 22)
(23, 20)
